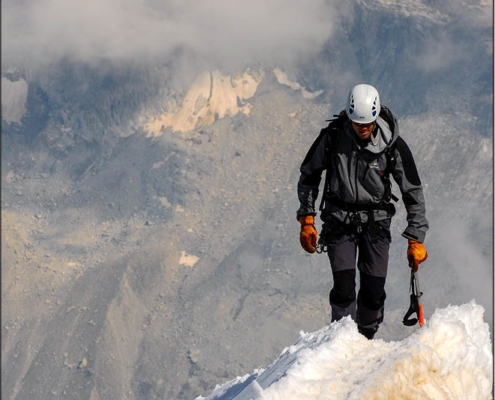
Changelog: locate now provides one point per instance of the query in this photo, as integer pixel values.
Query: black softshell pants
(346, 246)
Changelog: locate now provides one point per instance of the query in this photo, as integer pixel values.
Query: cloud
(217, 33)
(457, 253)
(439, 53)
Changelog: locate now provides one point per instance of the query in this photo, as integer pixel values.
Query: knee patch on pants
(372, 292)
(343, 292)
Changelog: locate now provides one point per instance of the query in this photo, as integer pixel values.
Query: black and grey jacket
(357, 175)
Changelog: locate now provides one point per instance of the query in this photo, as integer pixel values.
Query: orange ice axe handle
(416, 307)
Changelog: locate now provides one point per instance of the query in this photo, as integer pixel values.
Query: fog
(211, 34)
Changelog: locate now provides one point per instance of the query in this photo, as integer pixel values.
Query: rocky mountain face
(150, 248)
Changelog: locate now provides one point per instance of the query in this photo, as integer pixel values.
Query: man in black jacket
(359, 151)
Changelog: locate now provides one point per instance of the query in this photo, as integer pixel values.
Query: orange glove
(416, 254)
(308, 233)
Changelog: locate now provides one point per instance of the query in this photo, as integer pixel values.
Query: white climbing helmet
(363, 104)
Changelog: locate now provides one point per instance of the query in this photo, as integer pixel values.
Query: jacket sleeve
(406, 175)
(311, 169)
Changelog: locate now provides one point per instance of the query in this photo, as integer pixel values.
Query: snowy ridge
(427, 11)
(410, 8)
(14, 97)
(211, 96)
(214, 96)
(283, 79)
(449, 358)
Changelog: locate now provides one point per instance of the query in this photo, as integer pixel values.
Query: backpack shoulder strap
(334, 127)
(387, 115)
(332, 131)
(390, 155)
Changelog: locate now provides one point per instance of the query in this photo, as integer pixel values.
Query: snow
(283, 79)
(14, 96)
(450, 357)
(188, 259)
(412, 8)
(211, 96)
(214, 96)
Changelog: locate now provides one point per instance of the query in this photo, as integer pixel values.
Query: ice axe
(415, 307)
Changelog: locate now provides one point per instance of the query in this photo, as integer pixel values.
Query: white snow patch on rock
(283, 79)
(187, 259)
(450, 357)
(212, 96)
(14, 96)
(410, 8)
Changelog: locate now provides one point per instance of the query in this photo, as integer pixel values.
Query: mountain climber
(359, 150)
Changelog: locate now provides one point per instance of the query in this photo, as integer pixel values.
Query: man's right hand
(308, 235)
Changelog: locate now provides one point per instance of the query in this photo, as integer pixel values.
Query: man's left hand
(416, 254)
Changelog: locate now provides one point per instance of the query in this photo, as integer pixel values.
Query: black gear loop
(321, 247)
